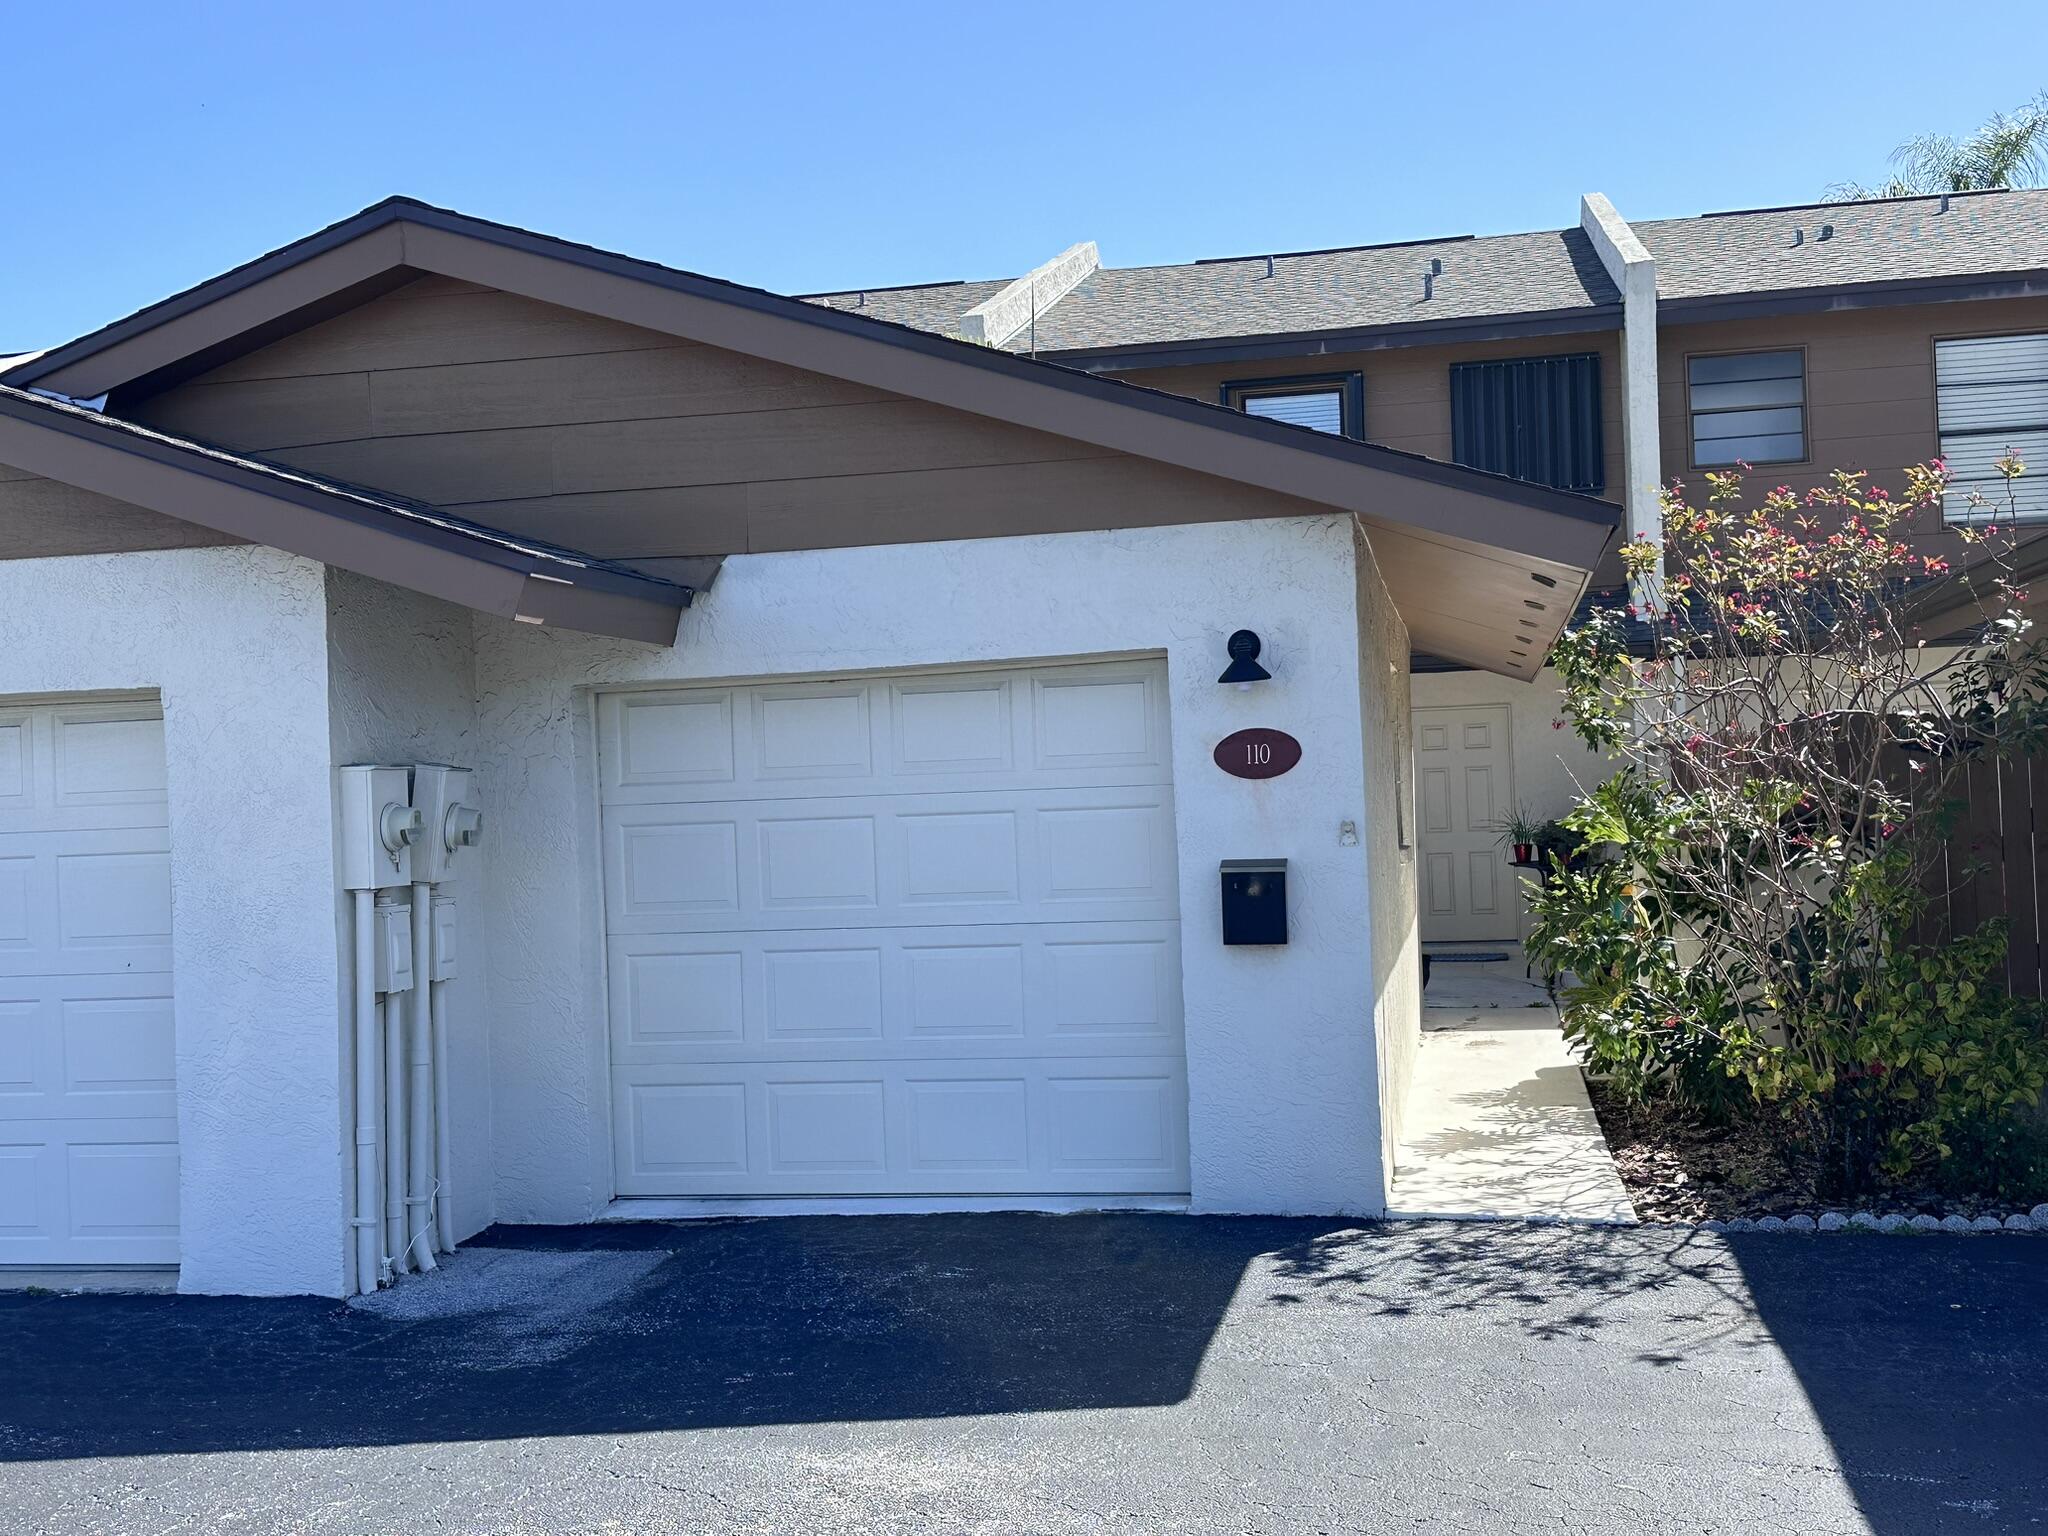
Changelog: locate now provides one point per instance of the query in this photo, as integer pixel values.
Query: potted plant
(1558, 844)
(1519, 835)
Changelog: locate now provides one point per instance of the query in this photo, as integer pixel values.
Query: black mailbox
(1255, 901)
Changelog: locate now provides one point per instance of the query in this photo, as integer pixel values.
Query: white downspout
(1634, 272)
(368, 1077)
(394, 1112)
(444, 1159)
(450, 826)
(419, 1196)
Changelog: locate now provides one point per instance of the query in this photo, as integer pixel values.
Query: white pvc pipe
(444, 1162)
(367, 1079)
(419, 1194)
(394, 1131)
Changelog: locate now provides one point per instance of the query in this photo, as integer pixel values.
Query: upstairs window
(1327, 402)
(1991, 394)
(1536, 418)
(1748, 407)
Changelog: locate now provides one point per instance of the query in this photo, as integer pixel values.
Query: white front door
(88, 1091)
(1464, 789)
(913, 935)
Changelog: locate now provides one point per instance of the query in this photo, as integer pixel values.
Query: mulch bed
(1677, 1168)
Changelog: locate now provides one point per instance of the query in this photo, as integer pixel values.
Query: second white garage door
(899, 936)
(88, 1091)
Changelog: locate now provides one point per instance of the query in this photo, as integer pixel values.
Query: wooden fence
(2000, 834)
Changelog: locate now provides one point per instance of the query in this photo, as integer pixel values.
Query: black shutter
(1536, 418)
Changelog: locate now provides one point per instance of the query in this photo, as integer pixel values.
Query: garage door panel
(103, 1192)
(960, 725)
(997, 990)
(925, 733)
(938, 1127)
(1045, 855)
(81, 768)
(85, 901)
(912, 935)
(812, 732)
(88, 1095)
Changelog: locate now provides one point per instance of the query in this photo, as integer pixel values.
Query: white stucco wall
(1284, 1073)
(402, 689)
(235, 643)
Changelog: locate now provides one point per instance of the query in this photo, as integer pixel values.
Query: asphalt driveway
(1061, 1374)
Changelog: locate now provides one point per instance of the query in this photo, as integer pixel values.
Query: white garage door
(88, 1113)
(897, 936)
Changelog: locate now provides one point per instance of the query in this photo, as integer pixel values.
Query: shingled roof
(1772, 250)
(1285, 293)
(1553, 275)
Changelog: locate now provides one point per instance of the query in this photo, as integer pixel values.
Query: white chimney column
(1634, 271)
(1015, 309)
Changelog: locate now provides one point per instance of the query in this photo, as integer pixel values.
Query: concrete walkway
(1499, 1127)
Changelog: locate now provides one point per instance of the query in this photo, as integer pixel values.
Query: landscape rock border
(1890, 1222)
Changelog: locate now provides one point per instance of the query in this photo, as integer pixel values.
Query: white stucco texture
(234, 641)
(402, 689)
(1284, 1071)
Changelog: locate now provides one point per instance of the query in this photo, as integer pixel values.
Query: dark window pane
(1744, 365)
(1782, 448)
(1719, 424)
(1741, 392)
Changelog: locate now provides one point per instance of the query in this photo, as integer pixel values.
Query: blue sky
(803, 147)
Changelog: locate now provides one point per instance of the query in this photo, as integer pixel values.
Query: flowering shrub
(1764, 936)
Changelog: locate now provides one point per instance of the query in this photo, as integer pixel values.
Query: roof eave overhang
(2030, 283)
(1466, 515)
(336, 530)
(1337, 341)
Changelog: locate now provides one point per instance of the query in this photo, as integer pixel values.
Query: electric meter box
(450, 823)
(377, 828)
(444, 938)
(394, 945)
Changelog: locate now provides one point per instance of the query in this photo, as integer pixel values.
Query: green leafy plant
(2010, 149)
(1762, 937)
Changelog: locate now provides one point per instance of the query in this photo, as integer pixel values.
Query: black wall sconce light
(1244, 668)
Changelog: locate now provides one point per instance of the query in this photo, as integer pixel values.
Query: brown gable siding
(1408, 389)
(631, 445)
(1408, 393)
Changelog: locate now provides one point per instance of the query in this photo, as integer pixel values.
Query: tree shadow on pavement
(1920, 1359)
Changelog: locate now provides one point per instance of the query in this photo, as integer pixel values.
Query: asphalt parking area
(1061, 1374)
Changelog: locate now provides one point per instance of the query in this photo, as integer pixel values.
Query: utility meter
(378, 828)
(441, 796)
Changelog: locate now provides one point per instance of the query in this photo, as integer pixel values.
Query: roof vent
(1944, 204)
(1827, 231)
(1436, 269)
(1269, 266)
(1798, 237)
